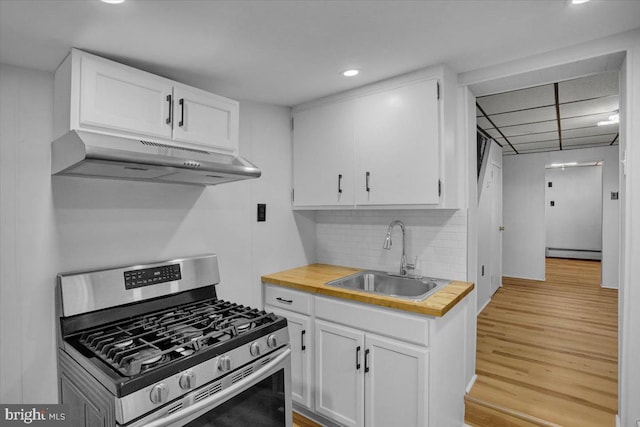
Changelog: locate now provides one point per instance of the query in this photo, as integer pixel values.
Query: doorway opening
(553, 128)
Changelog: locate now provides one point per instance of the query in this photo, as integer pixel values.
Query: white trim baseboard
(483, 307)
(471, 383)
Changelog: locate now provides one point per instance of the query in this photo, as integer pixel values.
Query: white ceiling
(288, 52)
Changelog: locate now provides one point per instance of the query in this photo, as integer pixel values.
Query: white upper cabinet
(323, 155)
(96, 94)
(204, 118)
(387, 144)
(122, 98)
(397, 146)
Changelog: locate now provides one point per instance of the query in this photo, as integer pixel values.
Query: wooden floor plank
(302, 421)
(547, 351)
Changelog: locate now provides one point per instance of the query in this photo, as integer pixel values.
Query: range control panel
(151, 276)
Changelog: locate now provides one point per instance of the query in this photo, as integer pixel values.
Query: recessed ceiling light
(351, 73)
(578, 1)
(113, 1)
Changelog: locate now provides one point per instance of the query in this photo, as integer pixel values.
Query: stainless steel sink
(378, 282)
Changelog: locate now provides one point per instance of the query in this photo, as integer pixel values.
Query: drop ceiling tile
(548, 126)
(538, 150)
(525, 116)
(534, 137)
(599, 139)
(483, 123)
(589, 131)
(585, 121)
(540, 145)
(608, 104)
(494, 134)
(588, 87)
(538, 96)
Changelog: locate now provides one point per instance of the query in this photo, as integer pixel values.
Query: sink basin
(378, 282)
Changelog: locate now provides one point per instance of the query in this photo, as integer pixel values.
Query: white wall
(524, 211)
(354, 238)
(485, 252)
(575, 219)
(61, 224)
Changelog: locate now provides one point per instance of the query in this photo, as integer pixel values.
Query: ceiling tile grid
(552, 117)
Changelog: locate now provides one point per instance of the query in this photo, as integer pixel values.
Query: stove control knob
(187, 381)
(255, 349)
(159, 393)
(224, 364)
(272, 341)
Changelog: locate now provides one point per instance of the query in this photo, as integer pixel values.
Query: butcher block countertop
(312, 278)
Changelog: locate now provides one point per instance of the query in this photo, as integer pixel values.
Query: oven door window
(261, 405)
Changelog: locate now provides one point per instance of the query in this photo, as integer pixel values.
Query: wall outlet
(262, 212)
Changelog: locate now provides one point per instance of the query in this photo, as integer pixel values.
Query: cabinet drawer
(288, 299)
(382, 321)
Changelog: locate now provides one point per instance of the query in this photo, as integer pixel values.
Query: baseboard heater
(573, 253)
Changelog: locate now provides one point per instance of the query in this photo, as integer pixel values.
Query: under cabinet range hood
(88, 154)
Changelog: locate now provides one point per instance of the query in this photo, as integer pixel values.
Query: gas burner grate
(142, 343)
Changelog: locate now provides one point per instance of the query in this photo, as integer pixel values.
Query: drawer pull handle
(357, 358)
(302, 334)
(366, 360)
(367, 175)
(286, 301)
(340, 183)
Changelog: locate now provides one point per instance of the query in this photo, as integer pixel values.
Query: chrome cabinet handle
(340, 183)
(286, 301)
(366, 360)
(302, 334)
(170, 118)
(357, 358)
(367, 181)
(181, 122)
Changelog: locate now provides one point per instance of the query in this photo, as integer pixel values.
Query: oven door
(261, 399)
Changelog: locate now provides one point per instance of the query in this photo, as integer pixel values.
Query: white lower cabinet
(395, 384)
(339, 373)
(301, 338)
(363, 379)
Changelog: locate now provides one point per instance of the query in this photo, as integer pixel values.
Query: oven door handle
(213, 401)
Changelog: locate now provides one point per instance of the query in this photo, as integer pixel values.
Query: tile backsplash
(438, 238)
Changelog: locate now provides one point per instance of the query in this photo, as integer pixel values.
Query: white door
(205, 119)
(397, 146)
(301, 339)
(117, 97)
(395, 383)
(496, 227)
(323, 155)
(339, 373)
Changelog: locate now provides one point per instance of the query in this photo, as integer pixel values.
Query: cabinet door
(117, 97)
(301, 338)
(395, 384)
(205, 119)
(323, 155)
(339, 373)
(397, 146)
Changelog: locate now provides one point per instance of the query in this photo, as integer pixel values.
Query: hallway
(547, 352)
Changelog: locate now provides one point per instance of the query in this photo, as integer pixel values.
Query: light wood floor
(547, 352)
(301, 421)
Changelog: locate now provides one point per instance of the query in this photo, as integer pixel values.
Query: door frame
(576, 61)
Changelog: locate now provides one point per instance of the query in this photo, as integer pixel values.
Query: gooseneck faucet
(387, 245)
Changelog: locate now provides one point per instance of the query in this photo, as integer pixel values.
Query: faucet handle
(412, 266)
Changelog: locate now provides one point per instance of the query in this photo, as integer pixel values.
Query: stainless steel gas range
(152, 345)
